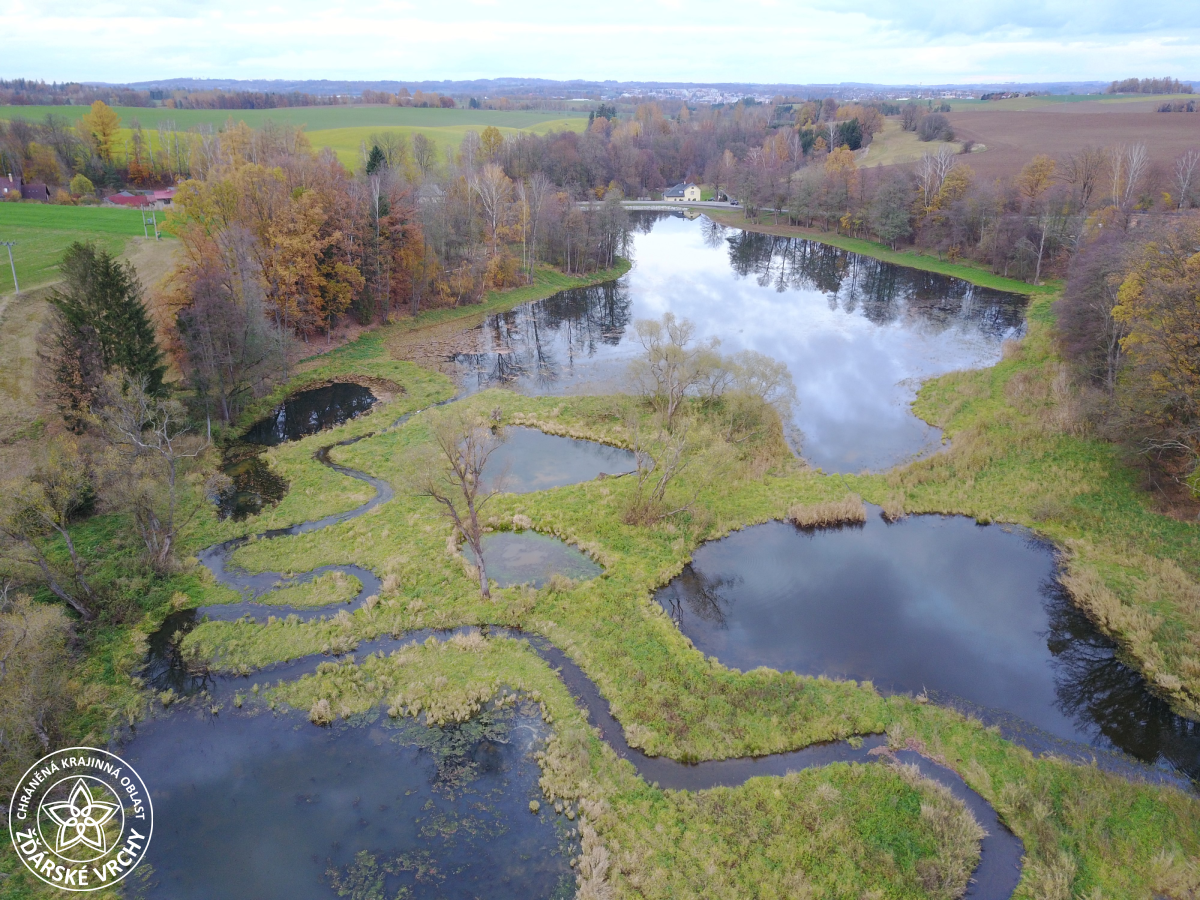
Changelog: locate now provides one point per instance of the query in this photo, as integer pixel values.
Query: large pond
(270, 806)
(858, 335)
(970, 615)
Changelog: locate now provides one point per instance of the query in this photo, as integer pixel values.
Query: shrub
(935, 127)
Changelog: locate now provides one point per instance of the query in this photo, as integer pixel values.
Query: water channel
(858, 335)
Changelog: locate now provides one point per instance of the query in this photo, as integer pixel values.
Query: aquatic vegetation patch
(324, 590)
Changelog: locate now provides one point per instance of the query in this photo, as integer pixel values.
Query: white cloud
(797, 41)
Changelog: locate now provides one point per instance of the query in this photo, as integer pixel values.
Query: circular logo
(81, 819)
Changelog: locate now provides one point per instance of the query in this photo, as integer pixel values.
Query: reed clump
(829, 513)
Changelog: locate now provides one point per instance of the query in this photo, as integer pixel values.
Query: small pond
(307, 412)
(858, 335)
(972, 615)
(270, 806)
(526, 557)
(531, 460)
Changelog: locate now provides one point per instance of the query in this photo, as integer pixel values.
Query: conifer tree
(101, 310)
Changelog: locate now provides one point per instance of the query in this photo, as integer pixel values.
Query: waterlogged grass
(876, 830)
(324, 590)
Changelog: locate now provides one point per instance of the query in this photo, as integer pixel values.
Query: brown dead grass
(831, 513)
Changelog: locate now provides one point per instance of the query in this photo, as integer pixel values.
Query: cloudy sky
(797, 41)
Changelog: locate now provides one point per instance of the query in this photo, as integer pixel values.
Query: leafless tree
(1185, 172)
(660, 459)
(1083, 171)
(673, 364)
(158, 447)
(1127, 167)
(932, 171)
(494, 190)
(455, 480)
(37, 514)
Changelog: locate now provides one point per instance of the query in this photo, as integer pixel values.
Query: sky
(767, 41)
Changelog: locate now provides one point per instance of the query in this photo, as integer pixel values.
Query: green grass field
(342, 128)
(43, 232)
(1023, 104)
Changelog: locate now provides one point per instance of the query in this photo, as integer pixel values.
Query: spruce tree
(100, 303)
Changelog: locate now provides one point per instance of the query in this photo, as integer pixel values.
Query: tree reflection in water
(540, 342)
(1098, 690)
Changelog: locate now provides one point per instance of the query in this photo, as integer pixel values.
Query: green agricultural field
(314, 118)
(342, 128)
(43, 232)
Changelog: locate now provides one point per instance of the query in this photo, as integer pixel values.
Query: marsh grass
(849, 510)
(324, 590)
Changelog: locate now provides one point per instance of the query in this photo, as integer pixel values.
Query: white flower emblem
(81, 819)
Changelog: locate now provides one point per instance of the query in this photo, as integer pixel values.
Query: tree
(935, 127)
(849, 133)
(376, 160)
(35, 521)
(888, 215)
(1088, 332)
(910, 116)
(1036, 177)
(99, 127)
(35, 696)
(494, 190)
(100, 326)
(491, 142)
(1185, 174)
(81, 186)
(454, 478)
(1159, 390)
(673, 364)
(156, 448)
(424, 153)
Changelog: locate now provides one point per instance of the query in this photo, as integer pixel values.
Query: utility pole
(12, 265)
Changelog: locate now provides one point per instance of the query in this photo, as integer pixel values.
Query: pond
(858, 335)
(253, 484)
(531, 460)
(973, 616)
(307, 412)
(267, 805)
(526, 557)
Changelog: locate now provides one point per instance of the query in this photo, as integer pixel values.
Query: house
(683, 193)
(10, 187)
(125, 198)
(35, 192)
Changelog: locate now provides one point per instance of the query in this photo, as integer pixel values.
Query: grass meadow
(43, 232)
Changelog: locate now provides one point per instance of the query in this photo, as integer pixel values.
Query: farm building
(10, 187)
(683, 193)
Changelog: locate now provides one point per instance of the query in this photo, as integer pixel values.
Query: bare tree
(539, 189)
(1083, 172)
(659, 460)
(36, 516)
(159, 448)
(455, 478)
(674, 362)
(494, 190)
(1127, 167)
(1185, 172)
(932, 171)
